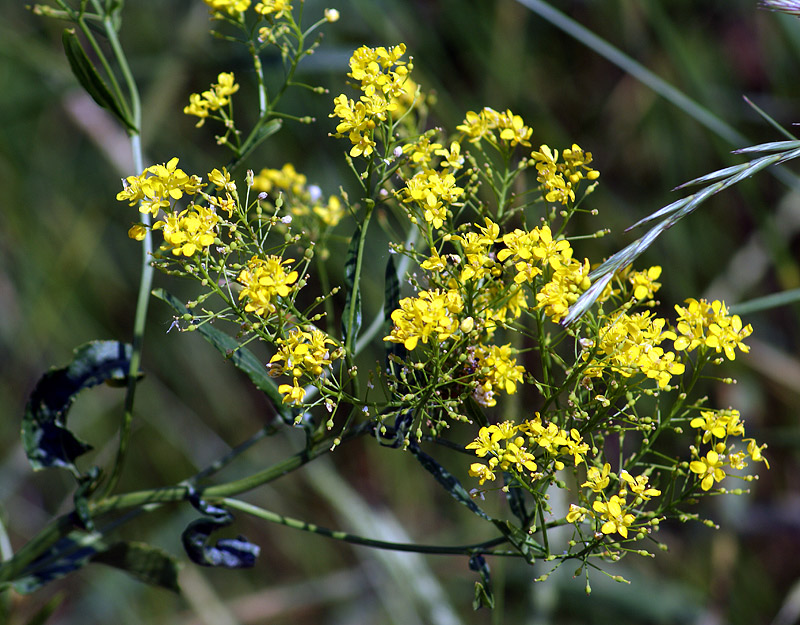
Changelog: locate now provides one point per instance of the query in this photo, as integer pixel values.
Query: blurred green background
(68, 274)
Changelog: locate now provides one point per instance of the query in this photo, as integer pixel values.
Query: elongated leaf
(391, 302)
(484, 597)
(516, 500)
(146, 563)
(351, 316)
(69, 554)
(768, 302)
(770, 120)
(91, 80)
(267, 130)
(241, 357)
(449, 482)
(45, 437)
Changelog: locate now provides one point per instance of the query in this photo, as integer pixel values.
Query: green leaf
(261, 133)
(448, 481)
(69, 554)
(391, 302)
(45, 437)
(146, 563)
(241, 357)
(351, 317)
(91, 80)
(484, 597)
(515, 498)
(768, 302)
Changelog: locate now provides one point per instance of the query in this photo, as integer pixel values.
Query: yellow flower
(718, 423)
(264, 280)
(332, 15)
(488, 440)
(433, 192)
(157, 186)
(709, 469)
(189, 231)
(452, 157)
(292, 393)
(639, 485)
(200, 105)
(755, 451)
(569, 281)
(137, 232)
(503, 370)
(616, 520)
(709, 324)
(274, 9)
(476, 469)
(644, 283)
(512, 129)
(432, 314)
(305, 353)
(597, 479)
(577, 514)
(231, 7)
(330, 213)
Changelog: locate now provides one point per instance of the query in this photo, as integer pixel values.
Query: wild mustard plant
(479, 337)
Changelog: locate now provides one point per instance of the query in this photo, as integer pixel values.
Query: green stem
(146, 278)
(149, 500)
(272, 517)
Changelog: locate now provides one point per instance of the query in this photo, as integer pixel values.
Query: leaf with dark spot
(45, 437)
(447, 480)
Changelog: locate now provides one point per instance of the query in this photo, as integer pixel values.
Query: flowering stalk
(474, 335)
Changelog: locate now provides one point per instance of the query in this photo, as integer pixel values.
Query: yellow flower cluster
(432, 193)
(709, 324)
(158, 186)
(490, 125)
(717, 427)
(302, 353)
(630, 344)
(530, 251)
(301, 199)
(382, 77)
(560, 179)
(190, 230)
(496, 370)
(478, 261)
(219, 95)
(509, 446)
(264, 281)
(432, 314)
(274, 9)
(231, 7)
(615, 512)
